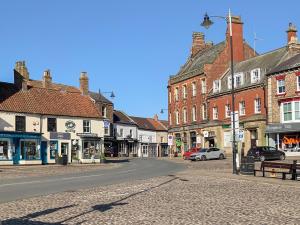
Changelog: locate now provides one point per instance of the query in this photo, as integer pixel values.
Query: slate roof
(98, 97)
(266, 62)
(194, 66)
(149, 124)
(44, 101)
(121, 117)
(291, 63)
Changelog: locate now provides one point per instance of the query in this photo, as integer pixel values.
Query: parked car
(208, 153)
(263, 153)
(186, 155)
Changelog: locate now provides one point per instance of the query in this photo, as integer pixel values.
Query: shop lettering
(289, 141)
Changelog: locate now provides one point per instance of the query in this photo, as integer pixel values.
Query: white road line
(61, 179)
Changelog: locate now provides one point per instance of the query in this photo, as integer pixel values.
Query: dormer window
(239, 79)
(229, 82)
(216, 86)
(255, 76)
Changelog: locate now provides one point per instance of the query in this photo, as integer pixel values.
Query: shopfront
(285, 137)
(20, 148)
(59, 144)
(91, 148)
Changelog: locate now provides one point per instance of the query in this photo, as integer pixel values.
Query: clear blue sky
(128, 46)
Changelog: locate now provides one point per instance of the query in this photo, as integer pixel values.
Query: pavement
(204, 193)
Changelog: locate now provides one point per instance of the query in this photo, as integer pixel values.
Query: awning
(283, 128)
(22, 135)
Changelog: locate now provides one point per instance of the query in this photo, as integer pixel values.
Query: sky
(129, 47)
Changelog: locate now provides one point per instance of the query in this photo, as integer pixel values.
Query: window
(194, 113)
(130, 133)
(229, 82)
(242, 108)
(4, 155)
(216, 86)
(170, 118)
(194, 89)
(215, 113)
(287, 111)
(104, 111)
(281, 86)
(184, 115)
(257, 105)
(184, 92)
(29, 150)
(51, 124)
(227, 111)
(106, 130)
(298, 83)
(90, 149)
(297, 110)
(255, 76)
(203, 86)
(121, 132)
(177, 117)
(86, 126)
(239, 80)
(170, 97)
(20, 123)
(204, 112)
(176, 94)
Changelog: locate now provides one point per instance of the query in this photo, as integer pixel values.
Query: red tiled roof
(48, 102)
(53, 86)
(148, 124)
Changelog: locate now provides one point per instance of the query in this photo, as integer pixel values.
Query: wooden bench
(270, 167)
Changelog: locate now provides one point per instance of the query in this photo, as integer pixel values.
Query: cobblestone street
(202, 194)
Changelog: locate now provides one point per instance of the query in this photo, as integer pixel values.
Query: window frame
(203, 86)
(227, 111)
(176, 93)
(215, 113)
(184, 91)
(254, 78)
(204, 111)
(17, 123)
(55, 127)
(280, 86)
(242, 108)
(194, 89)
(216, 86)
(194, 114)
(177, 117)
(257, 106)
(85, 126)
(298, 82)
(184, 115)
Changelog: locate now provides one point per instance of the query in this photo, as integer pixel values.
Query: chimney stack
(84, 83)
(198, 43)
(237, 38)
(47, 79)
(21, 75)
(291, 33)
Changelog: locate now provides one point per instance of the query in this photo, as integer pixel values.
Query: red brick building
(188, 89)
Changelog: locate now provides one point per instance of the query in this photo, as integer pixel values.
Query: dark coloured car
(263, 153)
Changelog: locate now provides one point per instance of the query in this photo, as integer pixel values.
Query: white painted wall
(126, 131)
(146, 136)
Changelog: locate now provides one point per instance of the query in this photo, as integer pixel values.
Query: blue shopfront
(20, 148)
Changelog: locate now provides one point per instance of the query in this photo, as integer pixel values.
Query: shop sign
(60, 136)
(290, 140)
(70, 126)
(170, 140)
(87, 135)
(106, 124)
(198, 140)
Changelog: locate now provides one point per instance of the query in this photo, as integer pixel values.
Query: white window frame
(204, 111)
(236, 76)
(215, 113)
(184, 115)
(176, 93)
(104, 111)
(86, 124)
(242, 108)
(170, 118)
(298, 82)
(227, 111)
(184, 91)
(279, 85)
(177, 117)
(194, 89)
(194, 112)
(170, 97)
(257, 105)
(229, 82)
(203, 86)
(255, 75)
(216, 86)
(292, 111)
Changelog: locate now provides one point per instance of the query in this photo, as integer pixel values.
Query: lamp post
(112, 94)
(207, 23)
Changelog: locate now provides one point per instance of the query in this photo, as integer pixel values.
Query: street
(202, 193)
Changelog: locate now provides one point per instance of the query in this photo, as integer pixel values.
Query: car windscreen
(203, 150)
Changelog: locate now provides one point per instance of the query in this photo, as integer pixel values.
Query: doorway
(145, 150)
(44, 152)
(64, 148)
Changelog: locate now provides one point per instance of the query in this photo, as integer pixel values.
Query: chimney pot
(291, 33)
(47, 79)
(198, 43)
(84, 83)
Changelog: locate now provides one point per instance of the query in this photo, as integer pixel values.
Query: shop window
(281, 86)
(21, 123)
(53, 149)
(86, 126)
(4, 150)
(106, 130)
(193, 140)
(91, 149)
(29, 150)
(51, 124)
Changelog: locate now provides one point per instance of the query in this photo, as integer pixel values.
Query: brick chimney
(291, 33)
(198, 43)
(47, 79)
(237, 39)
(84, 83)
(21, 75)
(155, 117)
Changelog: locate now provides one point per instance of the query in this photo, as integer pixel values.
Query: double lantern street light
(207, 23)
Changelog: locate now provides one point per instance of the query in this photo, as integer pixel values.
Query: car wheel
(262, 158)
(221, 156)
(203, 158)
(282, 157)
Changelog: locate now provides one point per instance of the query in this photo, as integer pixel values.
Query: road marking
(61, 179)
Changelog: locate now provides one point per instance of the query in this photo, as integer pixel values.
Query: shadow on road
(27, 220)
(117, 160)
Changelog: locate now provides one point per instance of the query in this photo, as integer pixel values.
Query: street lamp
(207, 23)
(162, 110)
(112, 94)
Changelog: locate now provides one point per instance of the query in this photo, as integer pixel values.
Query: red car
(186, 155)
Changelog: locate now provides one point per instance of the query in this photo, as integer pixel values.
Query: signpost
(170, 140)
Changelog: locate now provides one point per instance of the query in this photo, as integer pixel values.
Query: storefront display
(5, 154)
(29, 150)
(90, 149)
(53, 149)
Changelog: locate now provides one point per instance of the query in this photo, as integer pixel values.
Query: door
(64, 148)
(145, 150)
(44, 152)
